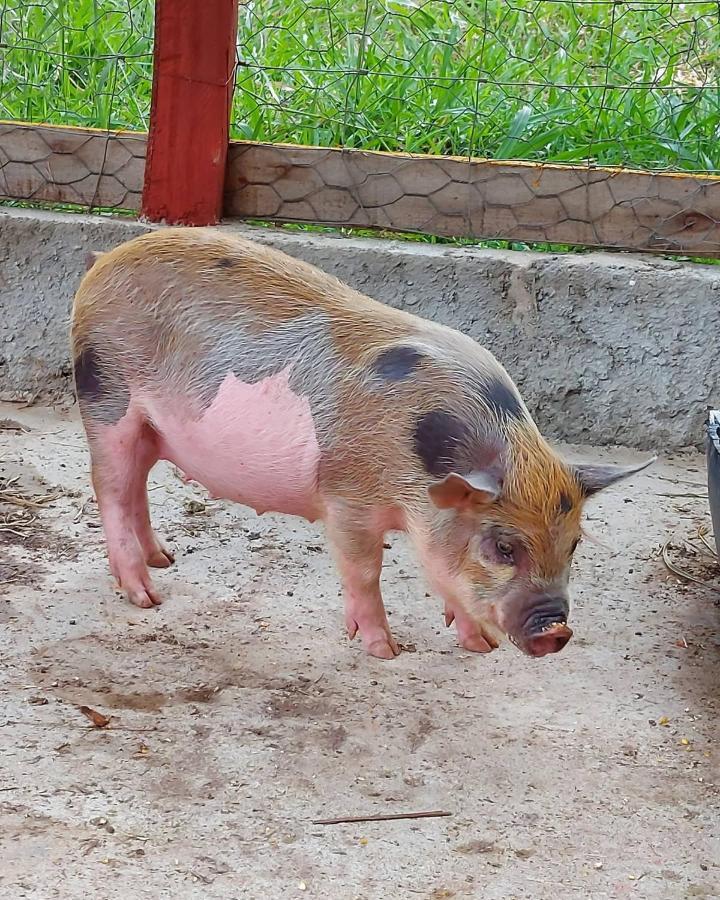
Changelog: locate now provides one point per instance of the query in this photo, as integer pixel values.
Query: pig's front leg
(358, 550)
(470, 633)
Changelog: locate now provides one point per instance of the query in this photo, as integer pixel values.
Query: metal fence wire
(76, 62)
(608, 82)
(615, 83)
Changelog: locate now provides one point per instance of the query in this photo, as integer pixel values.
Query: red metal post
(194, 62)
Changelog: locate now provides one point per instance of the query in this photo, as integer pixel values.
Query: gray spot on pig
(479, 379)
(87, 375)
(225, 263)
(397, 363)
(302, 346)
(565, 503)
(439, 436)
(102, 393)
(503, 399)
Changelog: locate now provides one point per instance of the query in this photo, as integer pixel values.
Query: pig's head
(506, 532)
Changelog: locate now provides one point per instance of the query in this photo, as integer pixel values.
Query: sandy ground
(240, 712)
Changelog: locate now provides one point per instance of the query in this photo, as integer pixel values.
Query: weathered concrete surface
(240, 712)
(605, 348)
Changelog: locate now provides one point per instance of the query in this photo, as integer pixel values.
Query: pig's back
(179, 277)
(183, 307)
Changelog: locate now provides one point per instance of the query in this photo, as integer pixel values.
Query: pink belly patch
(255, 444)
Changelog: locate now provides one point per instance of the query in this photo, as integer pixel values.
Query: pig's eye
(505, 549)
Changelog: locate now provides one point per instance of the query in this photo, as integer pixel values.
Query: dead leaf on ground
(89, 845)
(194, 507)
(98, 719)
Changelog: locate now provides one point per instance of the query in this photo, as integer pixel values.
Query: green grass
(620, 83)
(554, 81)
(76, 62)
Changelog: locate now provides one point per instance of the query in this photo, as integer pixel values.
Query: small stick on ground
(677, 480)
(383, 817)
(26, 502)
(702, 534)
(83, 509)
(670, 565)
(8, 495)
(683, 495)
(11, 425)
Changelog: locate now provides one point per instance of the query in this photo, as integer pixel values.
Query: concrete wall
(606, 349)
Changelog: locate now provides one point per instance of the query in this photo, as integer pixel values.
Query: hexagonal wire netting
(590, 82)
(593, 83)
(81, 63)
(604, 81)
(77, 62)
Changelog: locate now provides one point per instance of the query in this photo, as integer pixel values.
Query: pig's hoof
(380, 643)
(476, 644)
(376, 639)
(145, 599)
(383, 648)
(470, 636)
(161, 559)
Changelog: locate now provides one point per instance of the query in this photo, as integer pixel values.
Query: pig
(278, 387)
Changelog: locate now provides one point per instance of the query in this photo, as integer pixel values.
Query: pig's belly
(255, 444)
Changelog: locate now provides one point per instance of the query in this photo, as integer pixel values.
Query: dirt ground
(240, 712)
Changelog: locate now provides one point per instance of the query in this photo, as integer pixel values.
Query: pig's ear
(462, 491)
(91, 257)
(596, 478)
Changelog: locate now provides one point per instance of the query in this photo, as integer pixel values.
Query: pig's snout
(545, 629)
(550, 641)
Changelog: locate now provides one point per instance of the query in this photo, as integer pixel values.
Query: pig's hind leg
(122, 455)
(358, 550)
(146, 455)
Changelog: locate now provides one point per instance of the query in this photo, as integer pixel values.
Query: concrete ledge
(606, 348)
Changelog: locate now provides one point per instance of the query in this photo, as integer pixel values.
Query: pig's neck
(438, 541)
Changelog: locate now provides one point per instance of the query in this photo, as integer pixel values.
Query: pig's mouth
(543, 633)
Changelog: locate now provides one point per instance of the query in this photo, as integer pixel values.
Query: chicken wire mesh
(602, 81)
(80, 63)
(76, 62)
(614, 83)
(586, 82)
